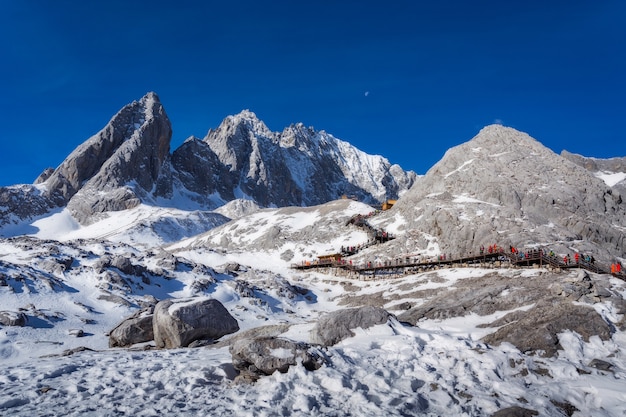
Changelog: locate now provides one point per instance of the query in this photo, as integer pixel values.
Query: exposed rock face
(614, 167)
(242, 158)
(200, 170)
(266, 355)
(555, 302)
(131, 147)
(504, 187)
(125, 162)
(596, 164)
(22, 202)
(137, 328)
(47, 173)
(338, 325)
(537, 330)
(179, 322)
(122, 263)
(12, 318)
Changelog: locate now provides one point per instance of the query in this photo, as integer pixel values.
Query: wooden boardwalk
(405, 265)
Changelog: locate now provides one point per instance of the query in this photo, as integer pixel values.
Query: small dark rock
(601, 365)
(515, 411)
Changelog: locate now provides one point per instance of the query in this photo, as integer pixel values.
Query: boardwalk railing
(407, 263)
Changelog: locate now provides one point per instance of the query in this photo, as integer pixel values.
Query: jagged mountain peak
(298, 135)
(298, 166)
(246, 122)
(128, 162)
(140, 124)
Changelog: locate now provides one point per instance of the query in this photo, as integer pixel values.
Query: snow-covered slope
(466, 340)
(440, 367)
(292, 234)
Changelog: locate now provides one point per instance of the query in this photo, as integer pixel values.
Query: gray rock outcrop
(537, 330)
(178, 322)
(22, 202)
(266, 355)
(554, 301)
(600, 167)
(137, 328)
(504, 187)
(338, 325)
(597, 164)
(12, 318)
(515, 411)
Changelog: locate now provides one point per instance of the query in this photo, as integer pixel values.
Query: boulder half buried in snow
(338, 325)
(266, 355)
(12, 318)
(137, 328)
(178, 322)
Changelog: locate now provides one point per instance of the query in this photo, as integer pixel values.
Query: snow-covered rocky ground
(438, 368)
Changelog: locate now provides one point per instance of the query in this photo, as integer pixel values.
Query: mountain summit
(299, 166)
(504, 187)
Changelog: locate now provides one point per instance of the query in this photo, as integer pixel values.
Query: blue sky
(402, 79)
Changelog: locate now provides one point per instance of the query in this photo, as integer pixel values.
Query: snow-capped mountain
(129, 162)
(299, 166)
(123, 224)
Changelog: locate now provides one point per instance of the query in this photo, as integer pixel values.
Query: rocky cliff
(504, 187)
(299, 166)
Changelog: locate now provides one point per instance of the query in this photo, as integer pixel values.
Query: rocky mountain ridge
(129, 162)
(296, 167)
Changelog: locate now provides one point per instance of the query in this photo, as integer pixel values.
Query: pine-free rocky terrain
(139, 281)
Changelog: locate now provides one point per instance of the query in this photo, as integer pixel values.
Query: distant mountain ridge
(129, 162)
(296, 167)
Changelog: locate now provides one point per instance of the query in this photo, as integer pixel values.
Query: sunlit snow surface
(611, 178)
(438, 368)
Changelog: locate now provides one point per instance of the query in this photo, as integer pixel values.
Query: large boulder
(266, 355)
(137, 328)
(178, 322)
(12, 318)
(338, 325)
(537, 330)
